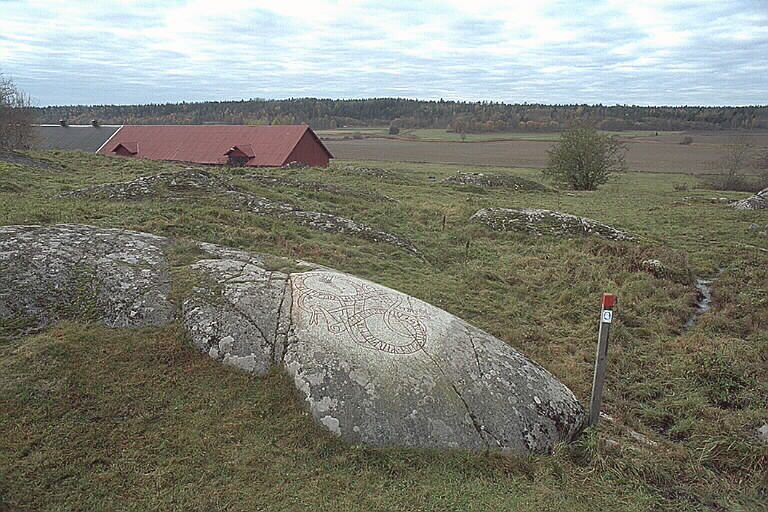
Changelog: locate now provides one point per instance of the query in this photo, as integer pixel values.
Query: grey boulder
(116, 276)
(372, 365)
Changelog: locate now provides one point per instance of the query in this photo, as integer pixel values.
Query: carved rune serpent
(351, 306)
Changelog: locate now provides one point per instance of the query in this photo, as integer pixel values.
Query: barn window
(238, 156)
(126, 149)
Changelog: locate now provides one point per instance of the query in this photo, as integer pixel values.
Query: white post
(606, 316)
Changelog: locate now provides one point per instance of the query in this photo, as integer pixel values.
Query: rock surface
(713, 200)
(758, 201)
(495, 181)
(316, 186)
(378, 172)
(20, 159)
(48, 273)
(539, 222)
(371, 364)
(189, 183)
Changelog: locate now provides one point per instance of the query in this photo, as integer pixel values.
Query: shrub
(585, 158)
(687, 140)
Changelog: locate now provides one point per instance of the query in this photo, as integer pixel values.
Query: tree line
(463, 117)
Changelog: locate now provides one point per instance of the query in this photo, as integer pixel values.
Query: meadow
(101, 419)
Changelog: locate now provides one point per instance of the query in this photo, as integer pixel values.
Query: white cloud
(550, 51)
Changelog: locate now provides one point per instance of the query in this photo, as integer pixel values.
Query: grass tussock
(100, 419)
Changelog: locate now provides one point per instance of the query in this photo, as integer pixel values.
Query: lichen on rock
(316, 186)
(539, 222)
(191, 183)
(758, 201)
(492, 180)
(54, 272)
(372, 365)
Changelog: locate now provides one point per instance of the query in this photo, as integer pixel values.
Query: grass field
(100, 419)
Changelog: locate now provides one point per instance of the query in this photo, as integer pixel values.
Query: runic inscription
(373, 317)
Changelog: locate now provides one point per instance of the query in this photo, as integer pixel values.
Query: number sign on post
(606, 317)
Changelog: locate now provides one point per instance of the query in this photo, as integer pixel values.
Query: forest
(463, 117)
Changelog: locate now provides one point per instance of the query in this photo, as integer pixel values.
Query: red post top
(608, 300)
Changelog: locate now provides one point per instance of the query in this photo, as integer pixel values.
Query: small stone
(762, 433)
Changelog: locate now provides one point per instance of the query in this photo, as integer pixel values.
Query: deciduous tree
(585, 158)
(16, 116)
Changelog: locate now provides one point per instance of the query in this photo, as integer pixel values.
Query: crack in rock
(373, 365)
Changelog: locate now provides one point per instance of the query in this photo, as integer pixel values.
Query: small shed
(240, 146)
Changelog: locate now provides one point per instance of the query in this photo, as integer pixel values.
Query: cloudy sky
(662, 52)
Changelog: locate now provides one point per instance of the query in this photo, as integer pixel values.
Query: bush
(585, 158)
(687, 140)
(394, 130)
(750, 184)
(357, 136)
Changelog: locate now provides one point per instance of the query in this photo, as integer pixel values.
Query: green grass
(100, 419)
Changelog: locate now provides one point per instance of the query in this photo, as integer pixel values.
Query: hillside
(463, 117)
(137, 419)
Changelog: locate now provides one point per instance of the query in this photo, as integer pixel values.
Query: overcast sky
(695, 52)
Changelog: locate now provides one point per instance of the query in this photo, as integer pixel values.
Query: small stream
(703, 299)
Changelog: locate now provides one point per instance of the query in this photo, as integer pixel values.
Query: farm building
(86, 137)
(249, 146)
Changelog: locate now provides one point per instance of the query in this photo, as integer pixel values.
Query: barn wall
(309, 151)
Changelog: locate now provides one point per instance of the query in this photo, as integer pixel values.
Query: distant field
(662, 153)
(441, 134)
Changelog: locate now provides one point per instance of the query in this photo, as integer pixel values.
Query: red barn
(251, 146)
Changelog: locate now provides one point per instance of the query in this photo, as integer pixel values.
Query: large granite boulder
(371, 364)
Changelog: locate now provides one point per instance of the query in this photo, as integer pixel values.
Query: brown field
(645, 154)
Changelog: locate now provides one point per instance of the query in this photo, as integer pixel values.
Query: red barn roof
(212, 144)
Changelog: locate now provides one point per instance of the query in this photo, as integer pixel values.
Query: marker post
(606, 317)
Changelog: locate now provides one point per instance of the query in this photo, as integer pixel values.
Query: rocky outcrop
(507, 181)
(539, 222)
(176, 186)
(316, 186)
(377, 172)
(20, 159)
(758, 201)
(371, 364)
(116, 276)
(191, 183)
(713, 200)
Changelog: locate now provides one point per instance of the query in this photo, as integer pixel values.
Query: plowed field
(645, 154)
